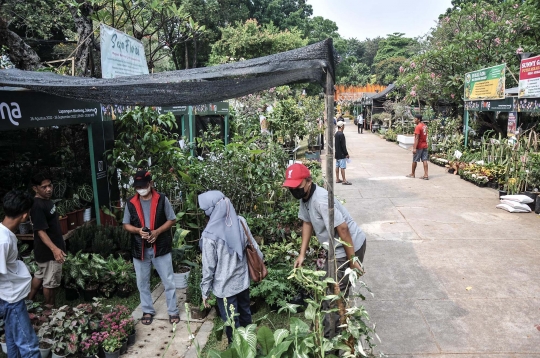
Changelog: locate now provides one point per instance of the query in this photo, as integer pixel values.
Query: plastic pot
(131, 339)
(72, 220)
(181, 279)
(71, 294)
(115, 354)
(45, 352)
(123, 349)
(89, 295)
(64, 225)
(4, 347)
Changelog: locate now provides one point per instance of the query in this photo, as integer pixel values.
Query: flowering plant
(113, 341)
(90, 345)
(128, 325)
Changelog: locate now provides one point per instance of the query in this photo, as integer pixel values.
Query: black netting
(187, 87)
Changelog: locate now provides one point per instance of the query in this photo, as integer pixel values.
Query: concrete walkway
(158, 340)
(452, 275)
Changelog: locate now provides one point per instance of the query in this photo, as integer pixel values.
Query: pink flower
(413, 65)
(401, 69)
(516, 6)
(417, 78)
(413, 93)
(456, 31)
(519, 50)
(432, 75)
(452, 95)
(497, 41)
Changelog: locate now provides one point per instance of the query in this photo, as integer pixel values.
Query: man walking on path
(341, 154)
(49, 245)
(21, 340)
(420, 147)
(149, 216)
(360, 123)
(314, 214)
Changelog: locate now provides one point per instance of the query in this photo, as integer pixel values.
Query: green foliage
(275, 288)
(304, 339)
(247, 40)
(102, 242)
(472, 36)
(144, 134)
(193, 291)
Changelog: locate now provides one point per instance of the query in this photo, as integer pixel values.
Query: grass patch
(274, 321)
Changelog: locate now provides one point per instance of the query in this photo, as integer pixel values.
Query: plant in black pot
(70, 275)
(194, 294)
(86, 270)
(122, 275)
(102, 242)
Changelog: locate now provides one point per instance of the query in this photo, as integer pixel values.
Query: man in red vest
(149, 216)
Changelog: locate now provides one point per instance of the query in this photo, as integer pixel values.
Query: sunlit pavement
(452, 276)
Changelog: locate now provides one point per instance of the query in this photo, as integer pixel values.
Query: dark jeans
(240, 302)
(344, 286)
(21, 339)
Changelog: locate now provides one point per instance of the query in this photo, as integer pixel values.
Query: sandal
(409, 176)
(347, 183)
(174, 319)
(339, 181)
(425, 178)
(147, 319)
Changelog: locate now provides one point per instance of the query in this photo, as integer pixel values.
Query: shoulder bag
(256, 267)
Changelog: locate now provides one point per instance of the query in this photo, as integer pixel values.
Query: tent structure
(187, 87)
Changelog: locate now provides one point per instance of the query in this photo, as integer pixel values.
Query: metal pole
(93, 171)
(466, 127)
(330, 182)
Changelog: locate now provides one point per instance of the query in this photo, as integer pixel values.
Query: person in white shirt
(21, 340)
(360, 123)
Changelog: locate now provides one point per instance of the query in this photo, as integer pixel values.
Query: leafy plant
(102, 242)
(85, 193)
(275, 288)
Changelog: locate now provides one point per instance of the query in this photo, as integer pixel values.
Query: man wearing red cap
(314, 214)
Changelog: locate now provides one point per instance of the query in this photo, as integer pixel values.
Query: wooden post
(330, 182)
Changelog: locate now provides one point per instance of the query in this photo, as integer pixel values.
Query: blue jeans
(240, 302)
(143, 269)
(21, 339)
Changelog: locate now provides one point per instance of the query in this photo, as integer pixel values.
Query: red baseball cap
(295, 174)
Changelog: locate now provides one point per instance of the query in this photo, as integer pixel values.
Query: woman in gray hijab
(224, 263)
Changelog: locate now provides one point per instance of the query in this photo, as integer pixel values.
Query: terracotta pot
(64, 225)
(80, 217)
(72, 220)
(107, 220)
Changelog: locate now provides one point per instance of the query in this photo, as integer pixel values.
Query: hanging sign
(508, 104)
(28, 109)
(487, 83)
(121, 54)
(529, 78)
(512, 124)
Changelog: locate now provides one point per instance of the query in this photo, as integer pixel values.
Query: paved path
(452, 275)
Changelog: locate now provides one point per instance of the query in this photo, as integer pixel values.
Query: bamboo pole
(330, 182)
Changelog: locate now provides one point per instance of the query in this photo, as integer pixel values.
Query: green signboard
(508, 104)
(487, 83)
(28, 109)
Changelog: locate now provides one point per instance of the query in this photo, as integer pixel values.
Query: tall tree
(250, 40)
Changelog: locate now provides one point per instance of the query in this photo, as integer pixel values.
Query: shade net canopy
(187, 87)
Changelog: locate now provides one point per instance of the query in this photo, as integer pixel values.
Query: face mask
(143, 192)
(298, 193)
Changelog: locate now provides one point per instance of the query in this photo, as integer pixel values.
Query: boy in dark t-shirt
(49, 243)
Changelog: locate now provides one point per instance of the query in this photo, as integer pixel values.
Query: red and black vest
(163, 243)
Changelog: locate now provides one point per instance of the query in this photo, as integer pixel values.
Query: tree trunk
(186, 54)
(85, 32)
(194, 53)
(22, 55)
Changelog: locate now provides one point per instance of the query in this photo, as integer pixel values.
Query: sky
(371, 18)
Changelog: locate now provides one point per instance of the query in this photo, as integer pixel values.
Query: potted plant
(89, 346)
(128, 324)
(70, 206)
(122, 274)
(65, 326)
(62, 217)
(194, 294)
(112, 343)
(86, 270)
(70, 276)
(84, 195)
